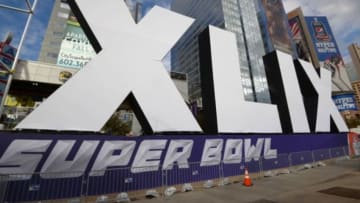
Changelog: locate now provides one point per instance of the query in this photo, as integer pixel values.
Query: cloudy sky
(343, 17)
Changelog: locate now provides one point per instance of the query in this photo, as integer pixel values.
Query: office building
(352, 72)
(65, 44)
(238, 16)
(301, 37)
(274, 26)
(55, 32)
(354, 50)
(356, 87)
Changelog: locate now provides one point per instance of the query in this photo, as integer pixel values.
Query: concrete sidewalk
(302, 186)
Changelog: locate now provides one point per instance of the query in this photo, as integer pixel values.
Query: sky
(343, 17)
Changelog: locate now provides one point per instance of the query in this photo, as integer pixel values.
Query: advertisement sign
(328, 52)
(345, 102)
(298, 37)
(277, 25)
(354, 144)
(7, 54)
(67, 159)
(76, 50)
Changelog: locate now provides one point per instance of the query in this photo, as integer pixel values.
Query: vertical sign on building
(76, 50)
(7, 55)
(328, 52)
(277, 25)
(298, 37)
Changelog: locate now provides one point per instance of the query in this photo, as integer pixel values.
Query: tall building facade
(237, 16)
(356, 87)
(65, 43)
(352, 72)
(55, 32)
(274, 26)
(301, 37)
(354, 50)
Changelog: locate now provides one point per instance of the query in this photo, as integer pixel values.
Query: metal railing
(105, 186)
(3, 186)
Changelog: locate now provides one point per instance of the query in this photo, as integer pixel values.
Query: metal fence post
(345, 149)
(83, 188)
(313, 158)
(164, 181)
(261, 167)
(290, 160)
(3, 187)
(221, 170)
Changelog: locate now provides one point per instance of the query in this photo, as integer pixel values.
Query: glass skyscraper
(237, 16)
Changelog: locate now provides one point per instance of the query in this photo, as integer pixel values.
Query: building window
(63, 15)
(65, 6)
(52, 55)
(58, 34)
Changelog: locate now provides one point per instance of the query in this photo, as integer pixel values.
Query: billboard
(277, 25)
(298, 36)
(328, 52)
(76, 50)
(345, 102)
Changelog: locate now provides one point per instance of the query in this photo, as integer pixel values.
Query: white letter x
(326, 109)
(130, 62)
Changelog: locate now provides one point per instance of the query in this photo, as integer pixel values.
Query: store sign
(129, 66)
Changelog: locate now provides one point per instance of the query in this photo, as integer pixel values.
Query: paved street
(302, 186)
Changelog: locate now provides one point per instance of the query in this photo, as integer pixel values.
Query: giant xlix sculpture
(128, 65)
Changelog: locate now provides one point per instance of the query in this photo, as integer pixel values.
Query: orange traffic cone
(247, 179)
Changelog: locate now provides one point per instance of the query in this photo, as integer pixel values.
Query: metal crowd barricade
(195, 172)
(3, 186)
(114, 181)
(43, 186)
(73, 186)
(337, 152)
(300, 158)
(232, 169)
(235, 169)
(254, 165)
(346, 150)
(321, 155)
(278, 162)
